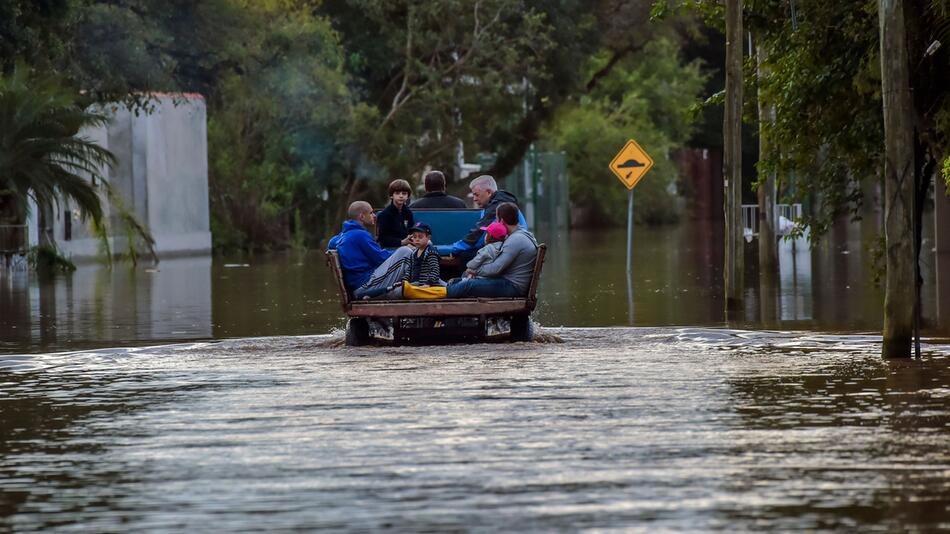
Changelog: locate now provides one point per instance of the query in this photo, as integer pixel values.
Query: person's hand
(408, 240)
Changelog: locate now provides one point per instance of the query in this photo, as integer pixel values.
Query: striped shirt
(425, 268)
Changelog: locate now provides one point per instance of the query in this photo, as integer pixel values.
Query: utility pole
(768, 255)
(732, 159)
(898, 181)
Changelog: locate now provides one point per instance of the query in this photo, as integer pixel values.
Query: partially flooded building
(161, 177)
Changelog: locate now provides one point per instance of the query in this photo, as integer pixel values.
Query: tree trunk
(898, 181)
(732, 158)
(768, 257)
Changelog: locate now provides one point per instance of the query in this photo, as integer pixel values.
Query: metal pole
(630, 257)
(629, 231)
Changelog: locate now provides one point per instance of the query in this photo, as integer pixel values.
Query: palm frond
(42, 154)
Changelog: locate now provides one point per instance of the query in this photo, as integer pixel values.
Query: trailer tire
(357, 332)
(522, 329)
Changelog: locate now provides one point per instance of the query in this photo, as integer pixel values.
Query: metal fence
(786, 216)
(541, 184)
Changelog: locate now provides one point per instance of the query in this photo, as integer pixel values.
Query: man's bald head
(358, 208)
(362, 212)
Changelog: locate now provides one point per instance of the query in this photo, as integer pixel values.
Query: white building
(161, 175)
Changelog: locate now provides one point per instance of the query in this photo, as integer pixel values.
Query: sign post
(630, 165)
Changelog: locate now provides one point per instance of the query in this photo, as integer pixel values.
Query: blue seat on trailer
(448, 225)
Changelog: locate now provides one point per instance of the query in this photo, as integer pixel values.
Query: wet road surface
(611, 428)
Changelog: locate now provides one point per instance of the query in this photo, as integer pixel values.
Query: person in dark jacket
(435, 196)
(487, 196)
(358, 251)
(394, 222)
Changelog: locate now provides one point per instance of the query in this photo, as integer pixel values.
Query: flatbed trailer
(439, 320)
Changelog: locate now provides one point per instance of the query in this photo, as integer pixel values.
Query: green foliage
(42, 155)
(824, 82)
(278, 129)
(47, 259)
(312, 103)
(648, 98)
(33, 32)
(436, 73)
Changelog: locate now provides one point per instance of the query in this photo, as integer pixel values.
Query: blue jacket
(475, 239)
(359, 253)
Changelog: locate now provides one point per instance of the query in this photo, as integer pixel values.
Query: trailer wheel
(357, 332)
(522, 329)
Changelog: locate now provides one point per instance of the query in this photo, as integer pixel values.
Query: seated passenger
(435, 196)
(417, 263)
(510, 273)
(358, 252)
(486, 195)
(396, 219)
(495, 233)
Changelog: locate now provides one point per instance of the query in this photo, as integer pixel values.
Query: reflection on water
(652, 428)
(98, 306)
(677, 280)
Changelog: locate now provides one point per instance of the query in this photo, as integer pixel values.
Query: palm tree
(41, 154)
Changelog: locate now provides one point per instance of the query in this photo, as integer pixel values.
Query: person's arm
(501, 263)
(488, 217)
(373, 252)
(430, 269)
(461, 246)
(411, 221)
(478, 260)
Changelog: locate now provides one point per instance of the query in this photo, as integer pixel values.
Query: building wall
(161, 176)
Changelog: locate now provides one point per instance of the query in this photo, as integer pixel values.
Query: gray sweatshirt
(515, 262)
(486, 254)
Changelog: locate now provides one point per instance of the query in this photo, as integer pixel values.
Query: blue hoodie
(360, 254)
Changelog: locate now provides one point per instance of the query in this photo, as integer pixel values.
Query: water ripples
(613, 428)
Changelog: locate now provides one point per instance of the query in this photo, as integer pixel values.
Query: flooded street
(677, 280)
(643, 428)
(148, 399)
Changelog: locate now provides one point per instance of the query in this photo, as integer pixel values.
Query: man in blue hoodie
(359, 253)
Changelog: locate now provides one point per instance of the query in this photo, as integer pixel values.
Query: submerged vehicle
(441, 320)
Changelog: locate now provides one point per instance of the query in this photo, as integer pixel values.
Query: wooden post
(732, 159)
(768, 254)
(898, 181)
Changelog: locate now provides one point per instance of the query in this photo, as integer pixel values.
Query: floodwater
(216, 394)
(676, 280)
(652, 429)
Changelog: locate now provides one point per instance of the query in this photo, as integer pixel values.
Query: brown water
(618, 428)
(677, 280)
(140, 399)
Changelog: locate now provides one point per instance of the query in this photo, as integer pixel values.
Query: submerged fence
(787, 216)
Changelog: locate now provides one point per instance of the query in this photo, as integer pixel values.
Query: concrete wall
(161, 175)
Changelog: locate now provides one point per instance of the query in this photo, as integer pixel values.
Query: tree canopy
(314, 102)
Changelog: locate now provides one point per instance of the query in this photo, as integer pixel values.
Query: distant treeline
(314, 103)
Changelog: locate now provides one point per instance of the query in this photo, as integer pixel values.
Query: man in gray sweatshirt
(510, 273)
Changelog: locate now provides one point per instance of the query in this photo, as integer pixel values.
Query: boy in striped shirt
(416, 263)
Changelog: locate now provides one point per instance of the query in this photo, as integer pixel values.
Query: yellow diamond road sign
(631, 164)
